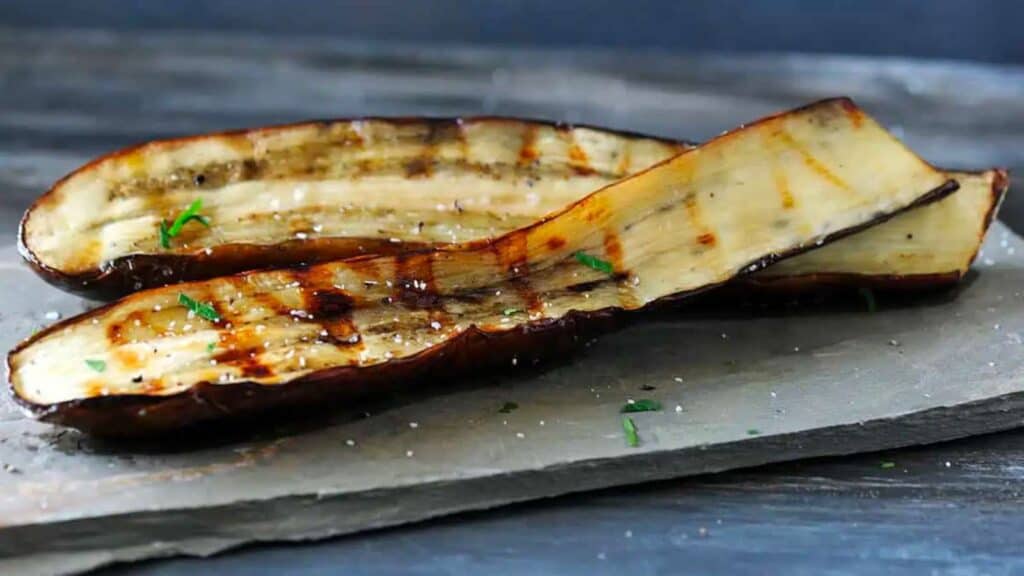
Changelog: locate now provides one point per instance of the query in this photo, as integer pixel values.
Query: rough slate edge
(319, 518)
(311, 517)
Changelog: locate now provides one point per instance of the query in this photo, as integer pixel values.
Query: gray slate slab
(752, 391)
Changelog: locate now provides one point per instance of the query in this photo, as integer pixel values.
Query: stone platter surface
(749, 390)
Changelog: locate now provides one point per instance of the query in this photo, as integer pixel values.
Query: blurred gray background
(960, 29)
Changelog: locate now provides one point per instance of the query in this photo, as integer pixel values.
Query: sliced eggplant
(240, 345)
(317, 192)
(312, 193)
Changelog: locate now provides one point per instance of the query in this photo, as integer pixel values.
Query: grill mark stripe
(625, 159)
(161, 205)
(422, 166)
(810, 161)
(330, 308)
(282, 164)
(707, 239)
(706, 236)
(414, 284)
(512, 255)
(579, 161)
(855, 114)
(613, 251)
(528, 152)
(782, 185)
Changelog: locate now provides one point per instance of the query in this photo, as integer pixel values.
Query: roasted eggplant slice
(316, 192)
(312, 193)
(242, 344)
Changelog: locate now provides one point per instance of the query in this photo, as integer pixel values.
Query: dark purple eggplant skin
(140, 416)
(128, 274)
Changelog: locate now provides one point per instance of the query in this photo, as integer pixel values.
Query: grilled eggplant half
(240, 345)
(311, 193)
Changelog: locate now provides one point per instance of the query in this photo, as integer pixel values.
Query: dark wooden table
(954, 508)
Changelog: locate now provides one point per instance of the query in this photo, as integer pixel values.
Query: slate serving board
(749, 390)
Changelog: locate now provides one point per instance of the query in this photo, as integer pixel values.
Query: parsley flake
(888, 465)
(629, 428)
(508, 407)
(511, 311)
(642, 405)
(165, 237)
(191, 213)
(97, 365)
(753, 432)
(594, 262)
(202, 309)
(211, 346)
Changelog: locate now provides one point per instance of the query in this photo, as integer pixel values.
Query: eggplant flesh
(929, 247)
(341, 330)
(310, 193)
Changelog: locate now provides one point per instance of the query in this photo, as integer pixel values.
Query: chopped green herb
(869, 298)
(165, 237)
(202, 309)
(511, 311)
(887, 465)
(642, 405)
(753, 432)
(97, 365)
(508, 407)
(630, 429)
(594, 262)
(211, 346)
(191, 213)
